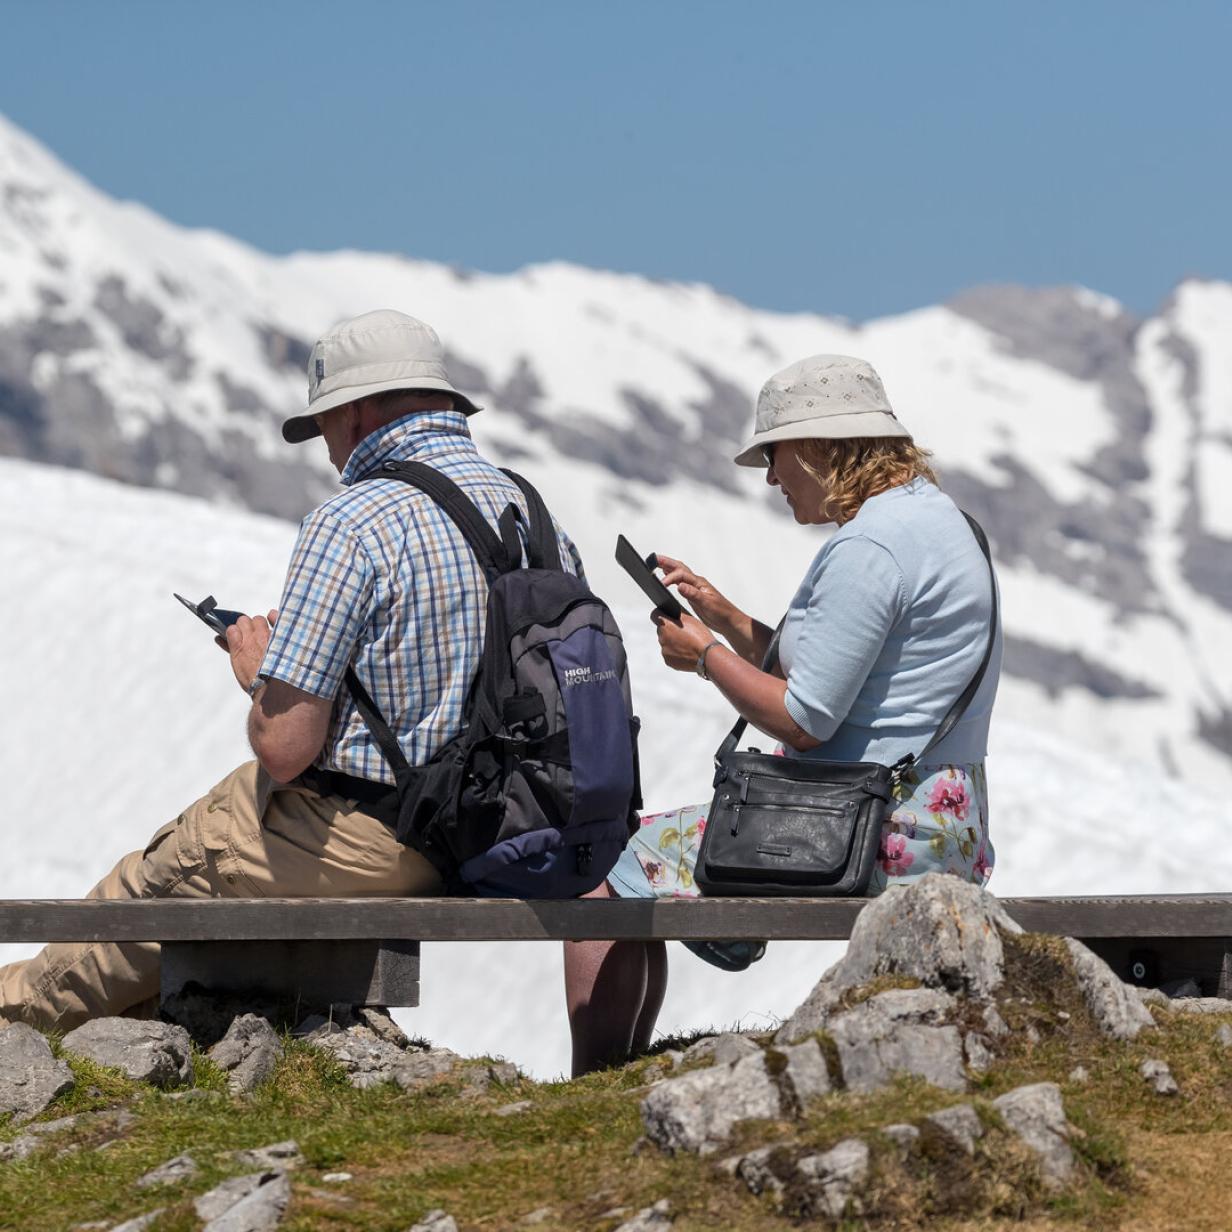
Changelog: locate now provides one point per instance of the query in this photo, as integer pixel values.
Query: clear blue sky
(855, 158)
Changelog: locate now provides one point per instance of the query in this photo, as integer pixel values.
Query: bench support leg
(311, 973)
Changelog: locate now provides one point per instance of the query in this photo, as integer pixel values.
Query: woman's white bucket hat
(370, 354)
(825, 396)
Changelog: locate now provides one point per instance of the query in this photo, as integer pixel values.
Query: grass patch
(575, 1153)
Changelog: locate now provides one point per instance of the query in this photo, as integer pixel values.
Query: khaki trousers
(248, 838)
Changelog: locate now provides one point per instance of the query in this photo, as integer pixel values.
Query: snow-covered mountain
(1093, 446)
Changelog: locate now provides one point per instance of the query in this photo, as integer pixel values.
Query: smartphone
(218, 618)
(642, 570)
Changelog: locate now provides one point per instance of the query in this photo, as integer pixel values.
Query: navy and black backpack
(538, 794)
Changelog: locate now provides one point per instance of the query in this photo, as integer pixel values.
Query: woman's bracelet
(701, 658)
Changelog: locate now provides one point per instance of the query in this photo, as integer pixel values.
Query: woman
(888, 626)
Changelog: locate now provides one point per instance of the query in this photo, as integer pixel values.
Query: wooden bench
(366, 951)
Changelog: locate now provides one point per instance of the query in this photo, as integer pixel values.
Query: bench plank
(457, 919)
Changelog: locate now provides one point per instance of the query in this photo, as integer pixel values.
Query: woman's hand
(680, 644)
(715, 610)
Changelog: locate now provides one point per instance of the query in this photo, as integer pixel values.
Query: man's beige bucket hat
(370, 354)
(827, 396)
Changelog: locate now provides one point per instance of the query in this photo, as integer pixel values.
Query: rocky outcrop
(902, 1031)
(696, 1112)
(939, 932)
(30, 1077)
(1112, 1003)
(249, 1052)
(156, 1052)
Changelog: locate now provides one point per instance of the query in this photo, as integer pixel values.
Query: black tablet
(218, 618)
(641, 570)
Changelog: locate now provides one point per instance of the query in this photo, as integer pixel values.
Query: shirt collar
(419, 436)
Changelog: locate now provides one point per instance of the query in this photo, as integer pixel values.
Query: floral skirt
(939, 824)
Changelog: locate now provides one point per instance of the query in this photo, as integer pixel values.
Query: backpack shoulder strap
(542, 548)
(490, 550)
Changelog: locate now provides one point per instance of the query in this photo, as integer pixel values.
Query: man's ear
(354, 412)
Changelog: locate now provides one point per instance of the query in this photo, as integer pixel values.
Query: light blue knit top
(887, 628)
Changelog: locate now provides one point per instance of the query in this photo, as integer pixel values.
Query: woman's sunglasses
(767, 452)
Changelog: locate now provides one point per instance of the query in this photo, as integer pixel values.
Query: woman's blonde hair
(853, 469)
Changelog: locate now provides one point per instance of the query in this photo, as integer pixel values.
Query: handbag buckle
(899, 768)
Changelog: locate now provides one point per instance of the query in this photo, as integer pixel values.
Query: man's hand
(680, 644)
(245, 642)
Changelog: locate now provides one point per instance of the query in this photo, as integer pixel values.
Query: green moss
(883, 983)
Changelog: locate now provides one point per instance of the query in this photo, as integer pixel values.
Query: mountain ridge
(1089, 441)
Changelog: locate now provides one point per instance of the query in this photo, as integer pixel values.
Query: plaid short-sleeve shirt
(382, 580)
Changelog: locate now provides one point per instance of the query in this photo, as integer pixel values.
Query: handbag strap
(947, 724)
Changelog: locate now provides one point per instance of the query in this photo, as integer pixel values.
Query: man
(380, 580)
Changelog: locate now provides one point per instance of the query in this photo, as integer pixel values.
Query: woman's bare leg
(652, 1002)
(613, 991)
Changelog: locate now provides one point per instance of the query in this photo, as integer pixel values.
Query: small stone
(979, 1057)
(30, 1076)
(1062, 1015)
(994, 1024)
(1151, 996)
(249, 1052)
(1079, 1075)
(1036, 1115)
(1158, 1074)
(832, 1179)
(755, 1171)
(378, 1020)
(436, 1221)
(514, 1109)
(481, 1078)
(961, 1123)
(140, 1223)
(337, 1178)
(144, 1050)
(1033, 1036)
(1223, 1033)
(649, 1218)
(674, 1056)
(92, 1225)
(19, 1148)
(170, 1173)
(261, 1210)
(418, 1069)
(276, 1156)
(806, 1074)
(54, 1127)
(723, 1049)
(223, 1197)
(697, 1111)
(538, 1216)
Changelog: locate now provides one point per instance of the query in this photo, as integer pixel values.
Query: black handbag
(801, 827)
